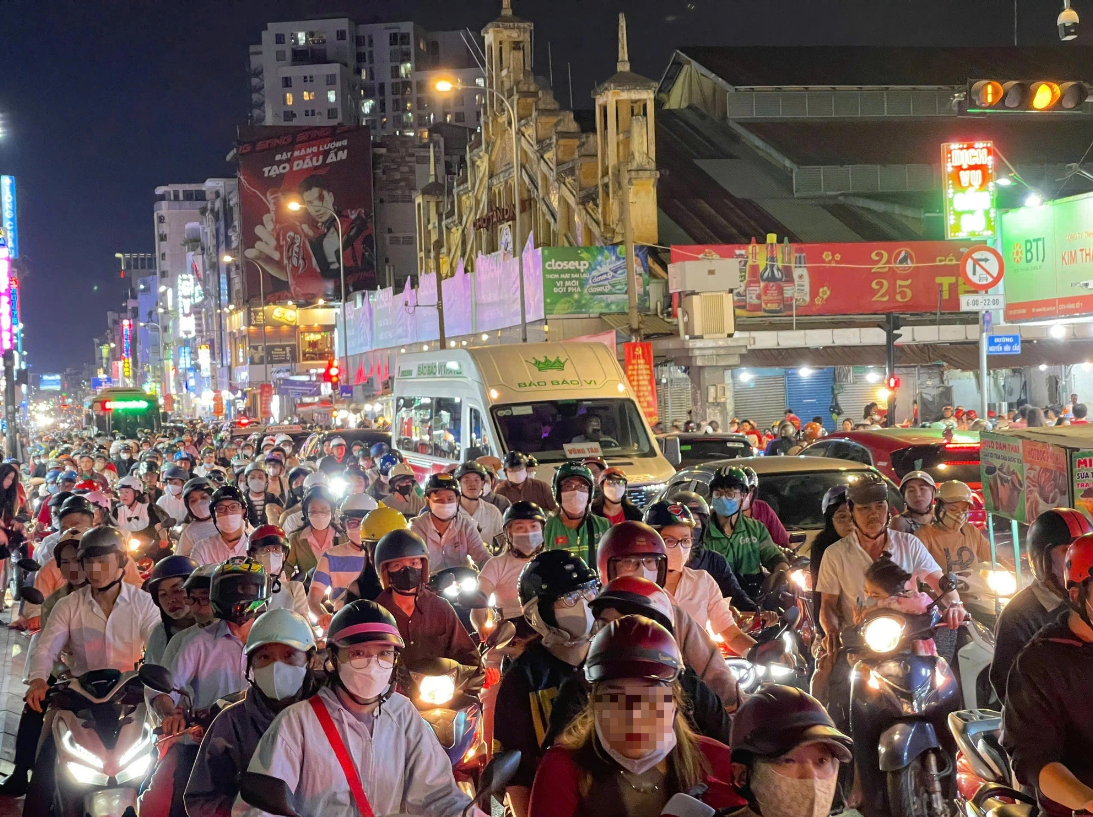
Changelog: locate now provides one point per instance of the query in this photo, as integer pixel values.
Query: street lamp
(295, 205)
(228, 259)
(445, 86)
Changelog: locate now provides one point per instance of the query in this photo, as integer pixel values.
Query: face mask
(229, 522)
(279, 681)
(257, 486)
(575, 503)
(444, 511)
(577, 620)
(319, 521)
(125, 455)
(275, 470)
(954, 520)
(272, 563)
(723, 506)
(614, 492)
(174, 490)
(404, 489)
(789, 796)
(367, 682)
(248, 454)
(638, 765)
(52, 489)
(201, 508)
(676, 559)
(406, 580)
(527, 543)
(516, 477)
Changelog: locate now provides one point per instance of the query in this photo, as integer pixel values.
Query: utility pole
(891, 335)
(10, 404)
(628, 248)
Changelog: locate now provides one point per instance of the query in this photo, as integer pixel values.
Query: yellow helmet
(382, 521)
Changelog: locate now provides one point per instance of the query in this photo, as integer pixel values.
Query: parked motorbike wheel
(915, 790)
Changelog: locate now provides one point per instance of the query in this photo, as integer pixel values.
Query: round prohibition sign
(982, 267)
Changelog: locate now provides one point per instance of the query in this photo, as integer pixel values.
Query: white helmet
(357, 505)
(280, 626)
(283, 438)
(313, 479)
(336, 441)
(920, 475)
(954, 491)
(401, 469)
(130, 482)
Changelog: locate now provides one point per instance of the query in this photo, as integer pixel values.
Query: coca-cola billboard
(327, 171)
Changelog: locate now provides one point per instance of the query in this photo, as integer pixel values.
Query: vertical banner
(426, 316)
(265, 400)
(638, 365)
(1081, 490)
(9, 214)
(1003, 475)
(457, 302)
(533, 280)
(218, 404)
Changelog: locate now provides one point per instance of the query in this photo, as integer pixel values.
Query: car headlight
(883, 633)
(436, 690)
(137, 769)
(1002, 583)
(468, 585)
(85, 775)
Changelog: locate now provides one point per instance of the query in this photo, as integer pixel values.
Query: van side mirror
(669, 447)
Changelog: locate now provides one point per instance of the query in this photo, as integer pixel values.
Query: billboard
(968, 177)
(9, 214)
(841, 279)
(590, 280)
(327, 171)
(1049, 260)
(49, 382)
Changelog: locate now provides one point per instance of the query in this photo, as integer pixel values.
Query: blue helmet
(386, 463)
(378, 450)
(52, 475)
(69, 476)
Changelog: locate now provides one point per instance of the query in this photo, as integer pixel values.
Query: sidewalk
(14, 649)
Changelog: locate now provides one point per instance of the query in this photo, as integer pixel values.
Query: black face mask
(406, 580)
(404, 489)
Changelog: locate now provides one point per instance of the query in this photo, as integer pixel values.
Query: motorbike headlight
(883, 633)
(137, 769)
(468, 585)
(134, 545)
(138, 748)
(338, 486)
(85, 775)
(436, 690)
(1002, 583)
(802, 578)
(779, 671)
(452, 590)
(69, 744)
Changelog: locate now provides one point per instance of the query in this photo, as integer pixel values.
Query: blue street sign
(346, 391)
(299, 388)
(98, 383)
(1003, 344)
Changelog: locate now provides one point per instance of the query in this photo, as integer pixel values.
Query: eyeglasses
(729, 493)
(352, 522)
(633, 563)
(385, 659)
(228, 507)
(678, 543)
(571, 598)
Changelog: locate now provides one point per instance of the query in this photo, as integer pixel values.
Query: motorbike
(104, 742)
(775, 658)
(900, 697)
(273, 796)
(980, 759)
(459, 587)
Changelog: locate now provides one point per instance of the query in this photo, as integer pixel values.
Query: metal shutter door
(853, 398)
(673, 393)
(811, 396)
(762, 399)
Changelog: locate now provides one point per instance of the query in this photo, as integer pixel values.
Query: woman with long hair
(11, 505)
(629, 751)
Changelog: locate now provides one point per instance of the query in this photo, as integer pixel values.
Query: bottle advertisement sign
(840, 279)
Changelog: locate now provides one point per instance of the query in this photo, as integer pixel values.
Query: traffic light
(332, 374)
(892, 382)
(1024, 96)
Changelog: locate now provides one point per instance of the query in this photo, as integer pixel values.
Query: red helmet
(628, 539)
(1079, 561)
(266, 535)
(633, 647)
(86, 485)
(635, 596)
(778, 718)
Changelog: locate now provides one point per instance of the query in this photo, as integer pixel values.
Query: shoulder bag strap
(342, 754)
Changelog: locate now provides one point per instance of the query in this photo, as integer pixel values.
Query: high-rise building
(381, 75)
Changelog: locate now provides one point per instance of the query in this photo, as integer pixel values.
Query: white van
(554, 401)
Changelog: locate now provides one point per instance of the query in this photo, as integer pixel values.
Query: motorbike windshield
(545, 428)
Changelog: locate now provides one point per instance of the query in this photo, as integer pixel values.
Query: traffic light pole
(890, 337)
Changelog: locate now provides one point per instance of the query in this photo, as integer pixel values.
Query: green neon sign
(125, 405)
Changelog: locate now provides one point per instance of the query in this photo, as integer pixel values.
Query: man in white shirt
(228, 509)
(197, 497)
(450, 534)
(473, 478)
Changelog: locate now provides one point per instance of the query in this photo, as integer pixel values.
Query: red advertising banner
(321, 172)
(265, 400)
(638, 365)
(841, 279)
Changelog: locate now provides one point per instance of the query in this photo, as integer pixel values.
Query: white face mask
(575, 503)
(278, 681)
(516, 477)
(201, 508)
(272, 562)
(444, 511)
(615, 493)
(319, 521)
(527, 543)
(576, 620)
(257, 485)
(677, 558)
(229, 522)
(367, 682)
(174, 490)
(790, 796)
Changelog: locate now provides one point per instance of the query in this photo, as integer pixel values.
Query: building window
(394, 56)
(279, 39)
(163, 257)
(406, 70)
(286, 82)
(280, 55)
(459, 117)
(383, 89)
(393, 39)
(406, 55)
(331, 113)
(369, 90)
(289, 116)
(404, 38)
(309, 96)
(331, 79)
(331, 96)
(480, 82)
(394, 72)
(368, 106)
(340, 34)
(370, 57)
(361, 40)
(362, 56)
(300, 38)
(369, 43)
(288, 98)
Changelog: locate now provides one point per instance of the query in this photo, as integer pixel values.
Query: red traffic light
(892, 382)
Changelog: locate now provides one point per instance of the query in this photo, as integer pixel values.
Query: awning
(652, 326)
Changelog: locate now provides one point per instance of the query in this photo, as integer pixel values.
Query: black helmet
(471, 467)
(363, 621)
(868, 489)
(663, 514)
(700, 509)
(730, 477)
(58, 499)
(76, 504)
(195, 484)
(1051, 529)
(514, 459)
(400, 544)
(176, 472)
(551, 575)
(100, 541)
(238, 590)
(442, 482)
(297, 472)
(173, 567)
(148, 466)
(227, 493)
(776, 719)
(523, 510)
(200, 578)
(317, 492)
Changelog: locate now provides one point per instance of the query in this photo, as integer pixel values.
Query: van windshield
(543, 428)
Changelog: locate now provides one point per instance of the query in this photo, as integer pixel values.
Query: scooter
(980, 759)
(459, 587)
(775, 658)
(104, 742)
(900, 697)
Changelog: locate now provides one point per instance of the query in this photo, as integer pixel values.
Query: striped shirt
(338, 567)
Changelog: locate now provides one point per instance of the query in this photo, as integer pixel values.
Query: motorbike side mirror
(497, 775)
(947, 583)
(683, 805)
(30, 595)
(29, 565)
(791, 616)
(158, 678)
(266, 793)
(796, 540)
(501, 636)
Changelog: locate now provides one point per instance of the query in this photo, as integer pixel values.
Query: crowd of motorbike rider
(295, 605)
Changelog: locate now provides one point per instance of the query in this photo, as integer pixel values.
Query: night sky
(101, 101)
